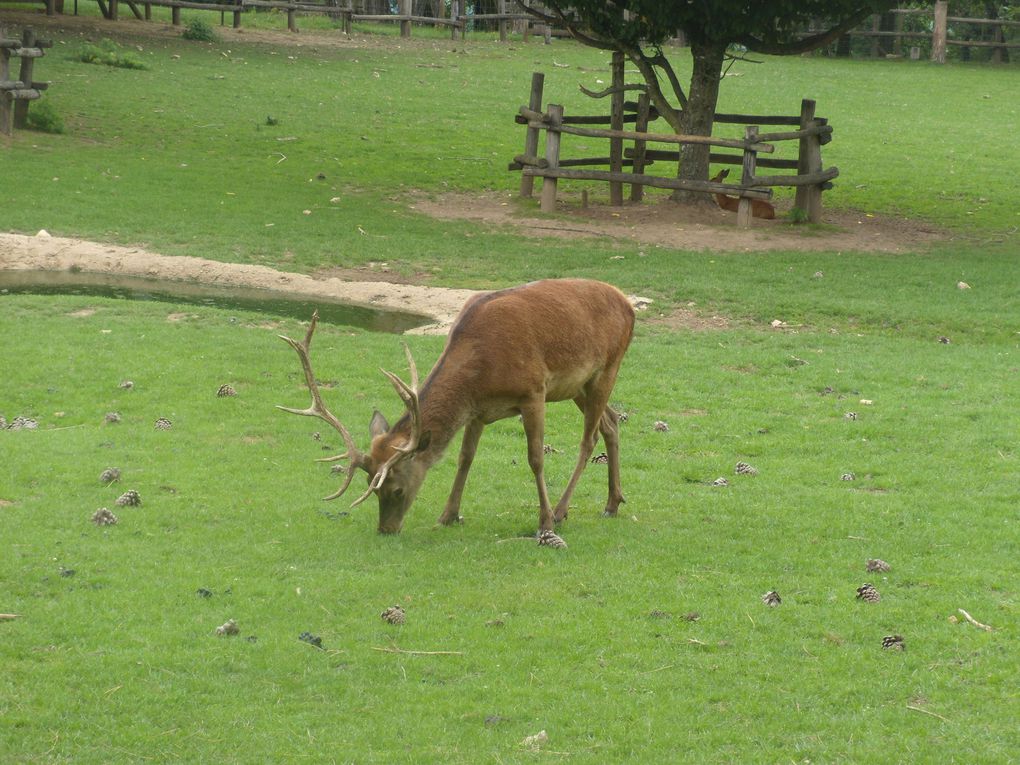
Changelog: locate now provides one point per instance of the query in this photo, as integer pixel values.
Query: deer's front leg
(468, 447)
(534, 428)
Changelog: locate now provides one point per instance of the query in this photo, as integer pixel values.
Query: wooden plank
(808, 179)
(744, 207)
(723, 159)
(983, 43)
(532, 136)
(640, 161)
(796, 135)
(655, 137)
(655, 181)
(552, 156)
(616, 125)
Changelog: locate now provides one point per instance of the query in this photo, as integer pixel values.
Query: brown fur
(759, 207)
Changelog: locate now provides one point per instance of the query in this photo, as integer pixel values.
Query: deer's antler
(409, 395)
(318, 409)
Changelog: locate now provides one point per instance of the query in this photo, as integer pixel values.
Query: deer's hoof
(609, 512)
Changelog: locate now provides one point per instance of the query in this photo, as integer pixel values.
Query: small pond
(191, 293)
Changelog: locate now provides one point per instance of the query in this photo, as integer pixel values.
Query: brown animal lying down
(759, 208)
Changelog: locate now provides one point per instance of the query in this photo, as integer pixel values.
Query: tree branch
(662, 62)
(808, 43)
(611, 91)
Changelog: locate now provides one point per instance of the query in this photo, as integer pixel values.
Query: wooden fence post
(6, 104)
(455, 17)
(616, 123)
(531, 137)
(175, 15)
(552, 156)
(809, 160)
(404, 9)
(744, 207)
(940, 32)
(501, 10)
(640, 126)
(25, 75)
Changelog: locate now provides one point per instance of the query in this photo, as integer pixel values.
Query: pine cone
(848, 477)
(163, 424)
(110, 475)
(895, 642)
(394, 615)
(226, 390)
(850, 416)
(720, 482)
(550, 449)
(622, 416)
(771, 599)
(3, 423)
(229, 627)
(126, 385)
(744, 469)
(550, 539)
(103, 517)
(660, 426)
(23, 423)
(600, 459)
(129, 498)
(112, 417)
(311, 639)
(877, 564)
(868, 593)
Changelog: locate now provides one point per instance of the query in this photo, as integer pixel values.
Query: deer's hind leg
(609, 427)
(593, 403)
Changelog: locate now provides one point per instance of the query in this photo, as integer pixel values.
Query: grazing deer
(759, 207)
(508, 353)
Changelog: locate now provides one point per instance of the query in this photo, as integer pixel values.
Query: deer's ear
(378, 425)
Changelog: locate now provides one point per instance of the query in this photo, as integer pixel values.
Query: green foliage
(757, 25)
(201, 31)
(42, 116)
(797, 215)
(109, 53)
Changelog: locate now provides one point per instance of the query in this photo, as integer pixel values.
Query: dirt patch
(48, 253)
(82, 313)
(660, 222)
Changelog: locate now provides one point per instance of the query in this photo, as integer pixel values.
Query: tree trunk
(699, 116)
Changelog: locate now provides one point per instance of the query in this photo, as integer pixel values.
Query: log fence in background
(460, 18)
(938, 26)
(811, 134)
(15, 95)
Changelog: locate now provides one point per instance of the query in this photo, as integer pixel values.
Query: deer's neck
(447, 404)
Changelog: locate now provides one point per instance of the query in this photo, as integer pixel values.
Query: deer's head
(395, 471)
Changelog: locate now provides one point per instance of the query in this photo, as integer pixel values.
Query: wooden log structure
(810, 180)
(15, 95)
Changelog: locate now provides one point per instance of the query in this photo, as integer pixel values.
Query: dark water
(191, 293)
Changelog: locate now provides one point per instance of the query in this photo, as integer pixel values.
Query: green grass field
(646, 640)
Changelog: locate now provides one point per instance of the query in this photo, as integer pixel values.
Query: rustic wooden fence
(811, 133)
(461, 17)
(15, 95)
(934, 27)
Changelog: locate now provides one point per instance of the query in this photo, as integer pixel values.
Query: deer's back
(556, 333)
